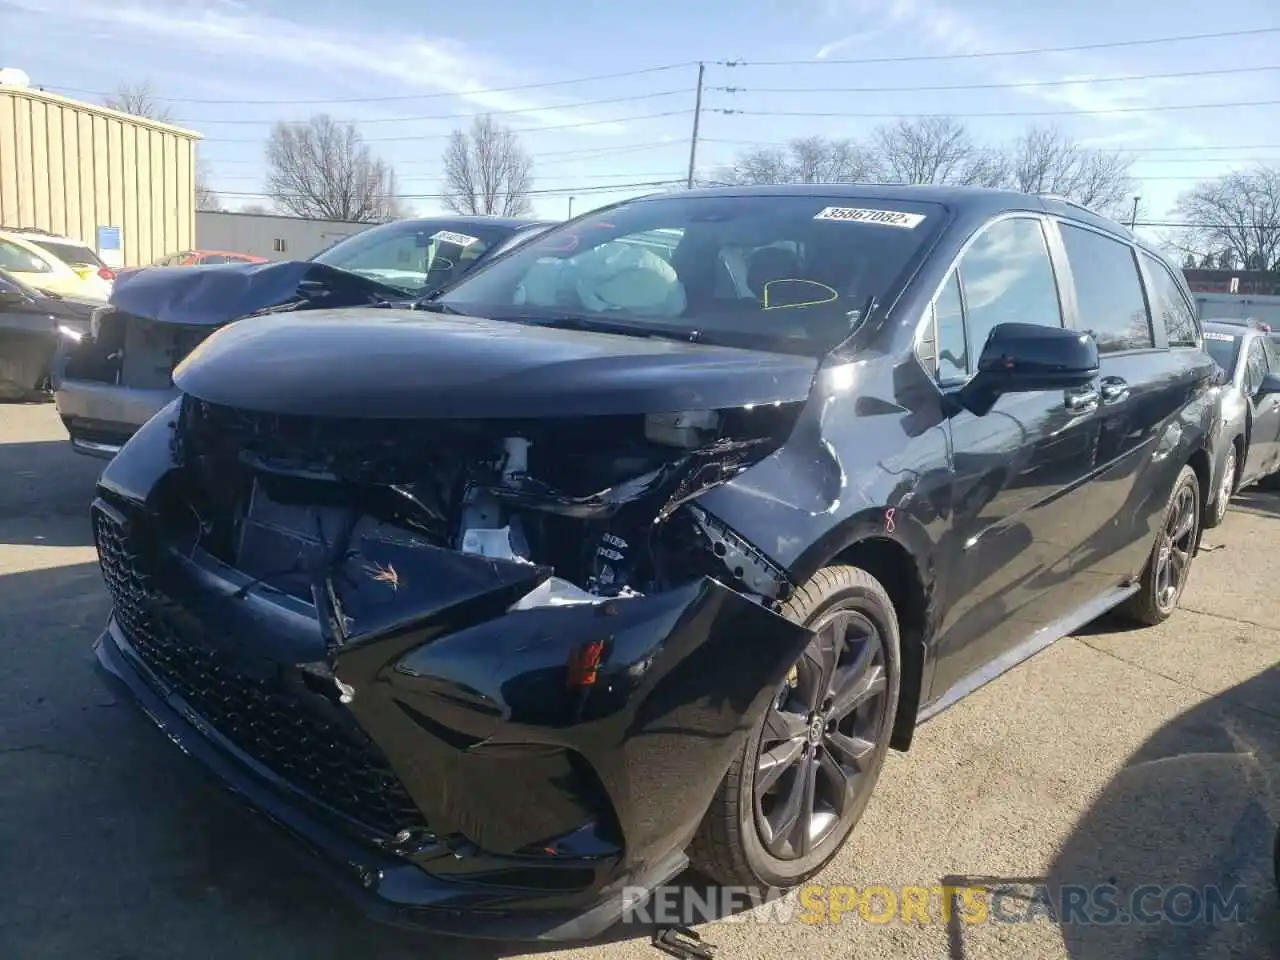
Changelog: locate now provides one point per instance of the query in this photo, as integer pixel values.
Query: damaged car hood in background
(410, 364)
(216, 295)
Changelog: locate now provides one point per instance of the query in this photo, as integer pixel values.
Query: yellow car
(55, 264)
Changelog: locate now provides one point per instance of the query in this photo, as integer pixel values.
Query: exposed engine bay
(601, 504)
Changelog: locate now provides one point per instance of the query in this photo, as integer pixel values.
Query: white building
(268, 235)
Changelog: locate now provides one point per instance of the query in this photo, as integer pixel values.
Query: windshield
(1224, 348)
(74, 254)
(790, 273)
(414, 256)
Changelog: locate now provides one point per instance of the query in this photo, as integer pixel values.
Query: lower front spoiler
(386, 888)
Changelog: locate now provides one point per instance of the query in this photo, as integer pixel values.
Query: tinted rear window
(1223, 347)
(73, 254)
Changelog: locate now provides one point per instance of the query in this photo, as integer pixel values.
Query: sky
(603, 98)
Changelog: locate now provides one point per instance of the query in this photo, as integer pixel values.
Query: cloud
(951, 31)
(406, 63)
(844, 42)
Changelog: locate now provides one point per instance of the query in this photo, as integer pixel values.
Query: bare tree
(937, 150)
(487, 171)
(804, 160)
(1046, 160)
(206, 198)
(323, 169)
(140, 100)
(1234, 219)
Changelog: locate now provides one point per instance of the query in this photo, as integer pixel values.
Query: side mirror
(1270, 384)
(1028, 358)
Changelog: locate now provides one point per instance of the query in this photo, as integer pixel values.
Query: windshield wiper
(573, 321)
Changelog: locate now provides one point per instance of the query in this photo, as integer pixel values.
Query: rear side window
(75, 254)
(1170, 305)
(1109, 291)
(1255, 366)
(1007, 277)
(213, 258)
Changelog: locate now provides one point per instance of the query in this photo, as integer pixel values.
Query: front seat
(770, 264)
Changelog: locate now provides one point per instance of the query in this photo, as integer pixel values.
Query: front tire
(1169, 565)
(793, 795)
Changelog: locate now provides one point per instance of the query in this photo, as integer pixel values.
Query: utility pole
(570, 217)
(1133, 218)
(697, 115)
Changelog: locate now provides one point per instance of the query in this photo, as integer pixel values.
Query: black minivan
(644, 543)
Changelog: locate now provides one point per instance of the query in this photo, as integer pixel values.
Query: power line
(668, 174)
(461, 116)
(1037, 51)
(563, 156)
(550, 192)
(1247, 146)
(446, 136)
(1186, 74)
(1233, 105)
(412, 96)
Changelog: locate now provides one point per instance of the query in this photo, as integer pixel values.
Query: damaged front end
(112, 379)
(493, 665)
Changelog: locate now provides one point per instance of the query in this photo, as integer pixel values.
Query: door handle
(1113, 390)
(1082, 399)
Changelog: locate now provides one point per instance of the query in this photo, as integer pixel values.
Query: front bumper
(483, 790)
(101, 417)
(386, 887)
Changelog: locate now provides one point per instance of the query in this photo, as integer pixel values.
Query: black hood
(402, 364)
(218, 294)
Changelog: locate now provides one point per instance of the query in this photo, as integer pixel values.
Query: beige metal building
(108, 179)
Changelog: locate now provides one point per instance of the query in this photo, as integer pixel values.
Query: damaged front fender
(471, 720)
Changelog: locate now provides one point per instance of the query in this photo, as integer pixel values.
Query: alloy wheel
(1223, 499)
(1177, 539)
(816, 757)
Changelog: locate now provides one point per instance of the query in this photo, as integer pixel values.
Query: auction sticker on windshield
(1224, 337)
(460, 239)
(888, 218)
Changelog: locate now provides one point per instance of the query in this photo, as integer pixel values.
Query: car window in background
(1255, 366)
(1224, 348)
(1008, 278)
(787, 273)
(213, 258)
(416, 256)
(1109, 292)
(75, 254)
(1170, 306)
(13, 257)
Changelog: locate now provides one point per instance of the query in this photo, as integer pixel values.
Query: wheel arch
(1200, 464)
(899, 572)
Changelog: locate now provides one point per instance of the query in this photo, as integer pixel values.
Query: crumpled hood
(218, 294)
(411, 364)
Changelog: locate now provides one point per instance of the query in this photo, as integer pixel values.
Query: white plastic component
(517, 462)
(493, 543)
(555, 592)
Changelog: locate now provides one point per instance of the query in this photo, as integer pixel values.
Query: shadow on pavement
(1179, 843)
(1260, 502)
(42, 485)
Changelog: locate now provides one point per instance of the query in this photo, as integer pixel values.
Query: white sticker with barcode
(459, 239)
(887, 218)
(1224, 337)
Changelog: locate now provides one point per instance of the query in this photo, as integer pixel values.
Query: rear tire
(1167, 569)
(806, 746)
(1217, 511)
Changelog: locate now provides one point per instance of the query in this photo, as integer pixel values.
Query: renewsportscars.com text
(1068, 904)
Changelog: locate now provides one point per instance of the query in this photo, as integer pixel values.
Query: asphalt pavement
(1144, 762)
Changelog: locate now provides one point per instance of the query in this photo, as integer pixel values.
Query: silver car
(1247, 438)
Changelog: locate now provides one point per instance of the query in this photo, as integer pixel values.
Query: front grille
(335, 764)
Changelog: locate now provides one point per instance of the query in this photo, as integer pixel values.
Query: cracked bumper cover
(539, 797)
